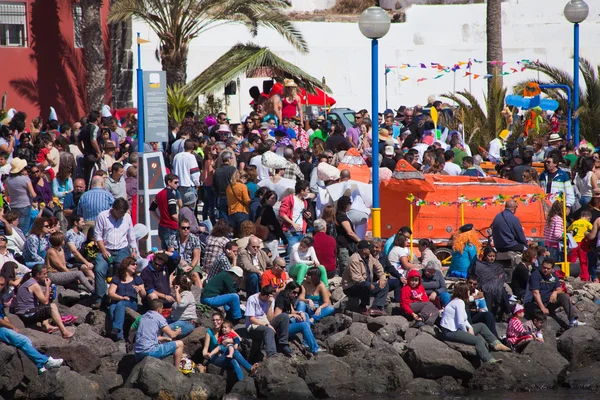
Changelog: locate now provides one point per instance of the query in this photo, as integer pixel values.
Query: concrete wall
(443, 34)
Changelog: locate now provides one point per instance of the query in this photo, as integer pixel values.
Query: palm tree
(177, 22)
(494, 41)
(93, 45)
(589, 96)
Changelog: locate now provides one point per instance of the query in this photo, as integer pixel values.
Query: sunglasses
(185, 228)
(176, 182)
(34, 172)
(2, 239)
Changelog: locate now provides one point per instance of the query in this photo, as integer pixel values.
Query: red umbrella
(319, 99)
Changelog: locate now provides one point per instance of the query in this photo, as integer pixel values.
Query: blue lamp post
(576, 11)
(374, 23)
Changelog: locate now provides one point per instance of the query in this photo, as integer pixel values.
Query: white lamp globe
(576, 11)
(374, 23)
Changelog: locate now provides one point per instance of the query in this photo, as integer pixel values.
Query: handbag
(262, 232)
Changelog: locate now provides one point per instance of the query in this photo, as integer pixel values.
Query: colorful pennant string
(479, 202)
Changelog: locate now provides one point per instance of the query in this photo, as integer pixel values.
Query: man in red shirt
(275, 276)
(325, 247)
(167, 202)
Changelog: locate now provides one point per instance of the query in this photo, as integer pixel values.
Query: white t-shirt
(263, 172)
(257, 309)
(394, 257)
(452, 169)
(297, 213)
(299, 257)
(495, 147)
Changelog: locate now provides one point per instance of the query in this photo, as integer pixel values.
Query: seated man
(221, 291)
(254, 262)
(225, 260)
(434, 283)
(10, 335)
(264, 326)
(156, 278)
(358, 280)
(148, 339)
(545, 293)
(74, 240)
(275, 277)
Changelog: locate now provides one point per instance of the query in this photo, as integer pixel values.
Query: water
(558, 394)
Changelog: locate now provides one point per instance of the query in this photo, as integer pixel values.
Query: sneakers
(418, 324)
(51, 363)
(574, 323)
(501, 347)
(494, 361)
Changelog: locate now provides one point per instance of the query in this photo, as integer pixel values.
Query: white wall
(311, 5)
(532, 29)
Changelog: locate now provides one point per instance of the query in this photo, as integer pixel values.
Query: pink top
(553, 232)
(289, 110)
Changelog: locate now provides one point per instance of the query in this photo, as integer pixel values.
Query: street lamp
(374, 23)
(576, 11)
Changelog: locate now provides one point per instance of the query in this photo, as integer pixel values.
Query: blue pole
(140, 99)
(576, 84)
(376, 227)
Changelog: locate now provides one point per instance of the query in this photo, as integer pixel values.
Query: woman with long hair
(530, 177)
(585, 180)
(427, 249)
(491, 278)
(522, 272)
(285, 302)
(269, 219)
(58, 272)
(302, 258)
(465, 248)
(399, 256)
(123, 292)
(238, 201)
(554, 230)
(63, 184)
(215, 243)
(347, 239)
(328, 215)
(315, 299)
(36, 244)
(456, 327)
(208, 171)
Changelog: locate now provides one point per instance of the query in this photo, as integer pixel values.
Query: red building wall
(49, 71)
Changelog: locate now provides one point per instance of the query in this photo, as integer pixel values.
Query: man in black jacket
(395, 280)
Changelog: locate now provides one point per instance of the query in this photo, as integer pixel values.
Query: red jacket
(326, 250)
(409, 295)
(287, 209)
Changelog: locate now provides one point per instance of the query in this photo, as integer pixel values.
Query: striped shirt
(553, 232)
(93, 202)
(116, 234)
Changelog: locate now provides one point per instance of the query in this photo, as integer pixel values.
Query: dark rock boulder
(422, 387)
(128, 394)
(516, 372)
(98, 321)
(361, 332)
(78, 357)
(245, 388)
(205, 386)
(429, 358)
(62, 383)
(152, 376)
(11, 368)
(85, 335)
(108, 381)
(580, 346)
(333, 339)
(450, 385)
(548, 357)
(276, 378)
(347, 345)
(378, 371)
(42, 340)
(327, 376)
(331, 325)
(194, 343)
(396, 325)
(585, 378)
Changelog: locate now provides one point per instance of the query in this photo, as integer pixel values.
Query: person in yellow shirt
(579, 228)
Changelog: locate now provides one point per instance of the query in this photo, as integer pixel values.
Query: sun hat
(518, 308)
(17, 165)
(224, 128)
(384, 134)
(236, 271)
(140, 231)
(555, 137)
(428, 140)
(289, 83)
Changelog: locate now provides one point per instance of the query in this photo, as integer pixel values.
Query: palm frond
(179, 102)
(253, 61)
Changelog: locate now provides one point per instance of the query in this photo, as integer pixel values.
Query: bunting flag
(479, 202)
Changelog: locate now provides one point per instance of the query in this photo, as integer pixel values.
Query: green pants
(298, 272)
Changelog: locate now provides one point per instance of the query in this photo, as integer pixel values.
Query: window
(77, 25)
(13, 31)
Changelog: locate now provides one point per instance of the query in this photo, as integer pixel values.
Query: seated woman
(464, 252)
(183, 310)
(399, 256)
(314, 299)
(32, 303)
(520, 276)
(414, 302)
(36, 243)
(56, 264)
(284, 303)
(302, 258)
(477, 308)
(456, 327)
(427, 249)
(221, 360)
(491, 278)
(123, 293)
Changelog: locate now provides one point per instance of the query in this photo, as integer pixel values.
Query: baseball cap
(389, 150)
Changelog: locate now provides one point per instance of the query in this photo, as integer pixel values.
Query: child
(535, 325)
(476, 296)
(516, 333)
(415, 303)
(579, 228)
(227, 332)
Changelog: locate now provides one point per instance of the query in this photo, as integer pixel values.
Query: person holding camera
(295, 215)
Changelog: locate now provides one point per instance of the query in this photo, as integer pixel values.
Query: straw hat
(289, 83)
(17, 165)
(555, 137)
(384, 134)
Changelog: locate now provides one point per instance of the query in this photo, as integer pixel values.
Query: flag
(405, 78)
(421, 80)
(423, 65)
(477, 61)
(514, 70)
(438, 76)
(387, 70)
(142, 41)
(467, 74)
(475, 76)
(461, 63)
(487, 76)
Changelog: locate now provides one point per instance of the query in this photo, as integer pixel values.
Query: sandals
(253, 369)
(50, 330)
(68, 319)
(68, 335)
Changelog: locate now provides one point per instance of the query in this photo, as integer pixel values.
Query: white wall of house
(444, 34)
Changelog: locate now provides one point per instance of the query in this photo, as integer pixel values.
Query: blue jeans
(395, 285)
(304, 328)
(165, 234)
(24, 218)
(223, 209)
(237, 363)
(23, 343)
(555, 254)
(117, 314)
(325, 311)
(252, 286)
(583, 200)
(186, 328)
(592, 261)
(160, 351)
(236, 219)
(210, 202)
(231, 303)
(292, 237)
(101, 270)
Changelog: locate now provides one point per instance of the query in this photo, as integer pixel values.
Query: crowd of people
(265, 247)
